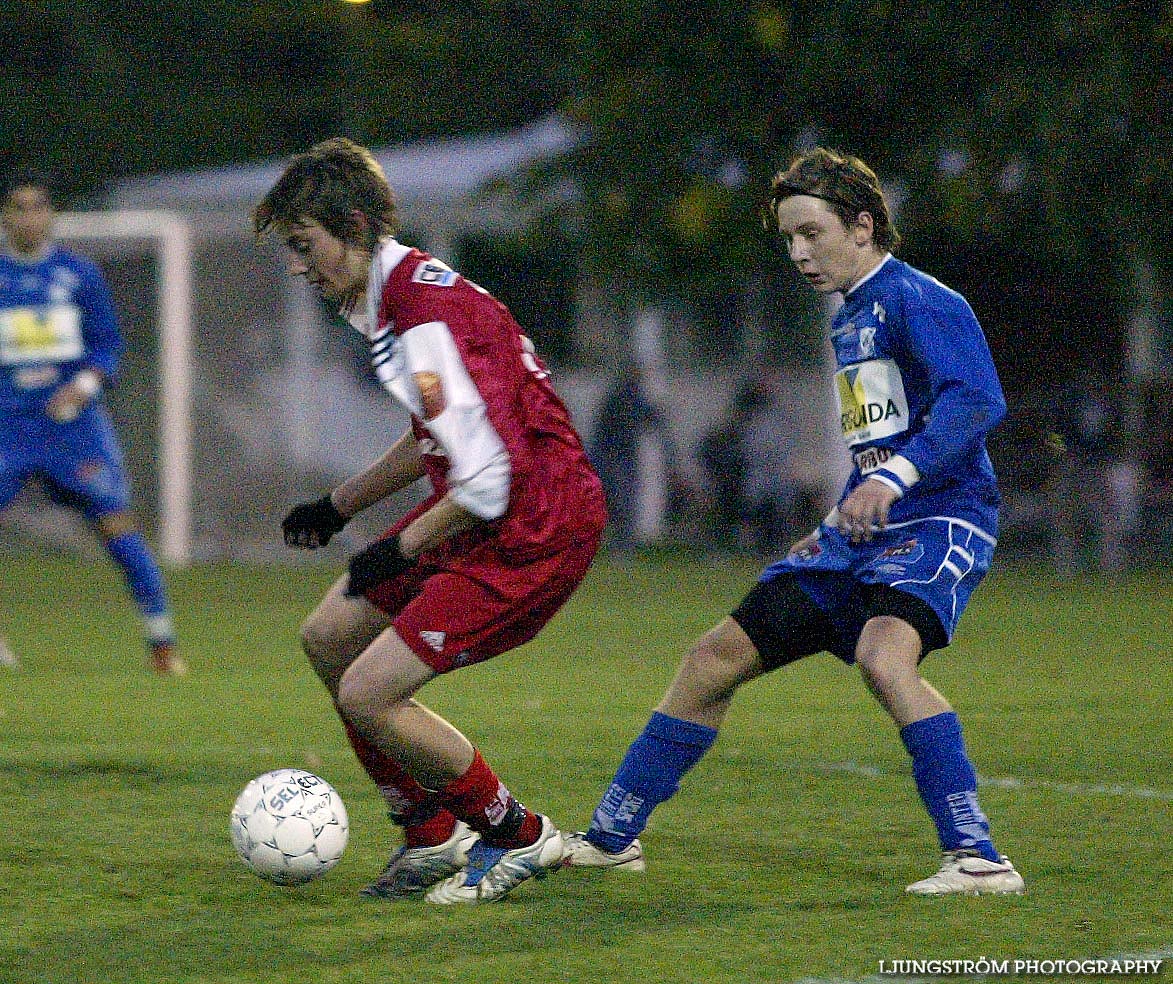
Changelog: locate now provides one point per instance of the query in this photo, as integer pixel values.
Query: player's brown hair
(26, 179)
(329, 183)
(845, 183)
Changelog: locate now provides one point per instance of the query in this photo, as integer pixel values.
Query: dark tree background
(1027, 144)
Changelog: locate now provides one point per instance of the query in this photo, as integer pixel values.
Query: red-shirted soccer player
(512, 525)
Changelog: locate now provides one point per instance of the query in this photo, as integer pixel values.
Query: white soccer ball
(289, 826)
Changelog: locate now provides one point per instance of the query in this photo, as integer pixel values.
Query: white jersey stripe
(975, 530)
(955, 553)
(479, 470)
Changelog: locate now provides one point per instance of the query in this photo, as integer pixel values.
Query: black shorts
(785, 625)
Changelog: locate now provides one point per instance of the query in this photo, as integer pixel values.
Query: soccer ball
(289, 826)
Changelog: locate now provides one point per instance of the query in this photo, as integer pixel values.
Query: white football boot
(494, 872)
(581, 853)
(965, 873)
(413, 870)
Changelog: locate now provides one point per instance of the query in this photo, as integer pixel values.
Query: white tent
(442, 187)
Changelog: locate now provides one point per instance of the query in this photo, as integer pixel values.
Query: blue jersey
(56, 318)
(918, 393)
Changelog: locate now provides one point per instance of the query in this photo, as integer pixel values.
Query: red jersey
(491, 429)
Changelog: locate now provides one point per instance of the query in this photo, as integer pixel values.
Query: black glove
(312, 524)
(379, 562)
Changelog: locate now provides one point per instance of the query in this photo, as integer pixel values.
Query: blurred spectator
(626, 417)
(719, 455)
(1157, 465)
(749, 464)
(1094, 487)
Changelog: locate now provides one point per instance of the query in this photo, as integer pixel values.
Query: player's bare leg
(888, 653)
(338, 630)
(717, 664)
(375, 694)
(435, 844)
(127, 547)
(681, 730)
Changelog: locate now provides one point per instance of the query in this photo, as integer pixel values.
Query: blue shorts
(923, 571)
(80, 461)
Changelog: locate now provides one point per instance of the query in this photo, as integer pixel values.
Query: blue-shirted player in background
(59, 345)
(887, 574)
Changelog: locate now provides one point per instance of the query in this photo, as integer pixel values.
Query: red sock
(481, 800)
(428, 833)
(425, 822)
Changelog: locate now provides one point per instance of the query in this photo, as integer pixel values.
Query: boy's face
(337, 270)
(830, 255)
(28, 218)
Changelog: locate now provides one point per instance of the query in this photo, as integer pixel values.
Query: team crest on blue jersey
(909, 551)
(867, 341)
(807, 553)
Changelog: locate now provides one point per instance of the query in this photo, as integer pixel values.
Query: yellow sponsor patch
(872, 403)
(40, 334)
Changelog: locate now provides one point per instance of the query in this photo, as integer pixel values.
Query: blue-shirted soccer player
(59, 345)
(887, 574)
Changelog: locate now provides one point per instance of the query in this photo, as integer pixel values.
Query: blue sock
(649, 774)
(132, 555)
(947, 783)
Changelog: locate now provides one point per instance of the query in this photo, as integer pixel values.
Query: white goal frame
(170, 236)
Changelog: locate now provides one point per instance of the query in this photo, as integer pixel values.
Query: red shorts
(472, 599)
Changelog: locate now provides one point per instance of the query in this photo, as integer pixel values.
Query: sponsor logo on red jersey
(431, 393)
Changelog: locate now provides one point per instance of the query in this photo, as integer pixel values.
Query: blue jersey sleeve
(100, 331)
(966, 400)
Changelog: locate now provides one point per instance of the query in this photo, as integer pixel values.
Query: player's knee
(716, 665)
(114, 525)
(887, 653)
(355, 703)
(369, 704)
(879, 674)
(319, 639)
(885, 671)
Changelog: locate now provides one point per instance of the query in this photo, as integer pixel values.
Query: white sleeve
(441, 392)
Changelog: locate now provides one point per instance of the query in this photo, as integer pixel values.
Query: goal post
(170, 238)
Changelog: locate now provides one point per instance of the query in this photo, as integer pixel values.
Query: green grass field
(783, 858)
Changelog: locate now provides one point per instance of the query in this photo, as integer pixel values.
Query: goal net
(235, 399)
